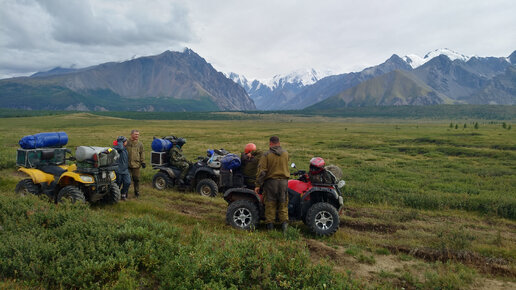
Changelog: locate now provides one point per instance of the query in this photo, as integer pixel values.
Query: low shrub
(72, 246)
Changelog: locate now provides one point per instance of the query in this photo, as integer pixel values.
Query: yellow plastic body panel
(69, 177)
(37, 175)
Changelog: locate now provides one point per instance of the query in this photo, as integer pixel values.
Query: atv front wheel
(161, 181)
(71, 193)
(26, 187)
(323, 219)
(113, 196)
(243, 214)
(207, 187)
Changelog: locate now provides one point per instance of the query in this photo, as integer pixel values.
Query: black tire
(26, 187)
(162, 181)
(323, 219)
(243, 214)
(207, 187)
(72, 193)
(113, 196)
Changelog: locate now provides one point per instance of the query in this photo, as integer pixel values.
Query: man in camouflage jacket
(177, 159)
(272, 177)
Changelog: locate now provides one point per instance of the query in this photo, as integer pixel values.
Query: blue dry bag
(42, 140)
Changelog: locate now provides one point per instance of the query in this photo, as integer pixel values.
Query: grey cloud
(114, 23)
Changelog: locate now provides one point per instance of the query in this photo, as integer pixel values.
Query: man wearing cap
(177, 159)
(250, 159)
(136, 159)
(123, 179)
(272, 177)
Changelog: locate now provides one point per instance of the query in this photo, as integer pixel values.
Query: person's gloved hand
(144, 165)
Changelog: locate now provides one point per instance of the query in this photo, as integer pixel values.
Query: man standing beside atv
(272, 177)
(123, 179)
(136, 159)
(250, 159)
(177, 159)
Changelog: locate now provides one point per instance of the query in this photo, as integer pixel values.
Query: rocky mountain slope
(171, 81)
(444, 75)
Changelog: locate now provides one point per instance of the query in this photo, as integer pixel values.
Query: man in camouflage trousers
(136, 159)
(177, 159)
(272, 177)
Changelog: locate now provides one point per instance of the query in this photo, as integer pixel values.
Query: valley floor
(426, 206)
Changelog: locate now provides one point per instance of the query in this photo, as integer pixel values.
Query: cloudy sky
(258, 39)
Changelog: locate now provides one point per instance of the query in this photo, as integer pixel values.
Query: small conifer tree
(476, 125)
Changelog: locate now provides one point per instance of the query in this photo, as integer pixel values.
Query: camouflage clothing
(250, 167)
(323, 177)
(276, 200)
(273, 165)
(272, 177)
(177, 159)
(136, 159)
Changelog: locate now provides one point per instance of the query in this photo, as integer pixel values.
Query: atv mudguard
(242, 193)
(37, 175)
(67, 177)
(208, 170)
(335, 199)
(167, 170)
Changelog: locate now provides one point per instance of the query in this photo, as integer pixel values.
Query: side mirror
(293, 165)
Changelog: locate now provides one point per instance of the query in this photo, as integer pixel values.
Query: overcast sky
(258, 39)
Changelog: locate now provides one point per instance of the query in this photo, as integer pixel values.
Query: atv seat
(52, 169)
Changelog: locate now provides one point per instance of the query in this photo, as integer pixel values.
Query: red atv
(317, 205)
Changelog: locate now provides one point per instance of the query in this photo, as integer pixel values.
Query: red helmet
(250, 147)
(316, 164)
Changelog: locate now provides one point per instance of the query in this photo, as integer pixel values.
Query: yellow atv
(50, 176)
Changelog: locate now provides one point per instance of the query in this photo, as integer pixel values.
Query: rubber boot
(284, 227)
(270, 227)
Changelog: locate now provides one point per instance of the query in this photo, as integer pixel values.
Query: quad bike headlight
(112, 175)
(86, 178)
(341, 184)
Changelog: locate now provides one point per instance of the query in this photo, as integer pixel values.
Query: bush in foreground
(71, 246)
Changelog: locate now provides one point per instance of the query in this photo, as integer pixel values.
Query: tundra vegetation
(428, 204)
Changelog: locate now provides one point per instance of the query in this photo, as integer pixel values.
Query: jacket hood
(277, 150)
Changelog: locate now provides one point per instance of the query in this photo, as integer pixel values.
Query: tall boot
(284, 227)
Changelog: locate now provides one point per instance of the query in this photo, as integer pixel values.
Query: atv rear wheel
(113, 196)
(207, 187)
(323, 219)
(243, 214)
(26, 187)
(161, 181)
(71, 193)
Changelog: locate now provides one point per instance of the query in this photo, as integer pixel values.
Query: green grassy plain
(426, 206)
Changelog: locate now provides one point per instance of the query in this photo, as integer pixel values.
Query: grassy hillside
(427, 205)
(54, 97)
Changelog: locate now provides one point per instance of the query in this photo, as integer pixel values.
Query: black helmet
(180, 142)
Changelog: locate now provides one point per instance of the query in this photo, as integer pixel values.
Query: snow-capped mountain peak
(415, 61)
(301, 77)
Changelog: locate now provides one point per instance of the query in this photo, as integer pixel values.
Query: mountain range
(184, 81)
(171, 81)
(440, 77)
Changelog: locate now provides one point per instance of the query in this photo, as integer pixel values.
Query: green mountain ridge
(395, 88)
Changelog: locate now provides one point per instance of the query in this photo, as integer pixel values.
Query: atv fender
(37, 175)
(208, 170)
(69, 177)
(242, 193)
(167, 170)
(335, 200)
